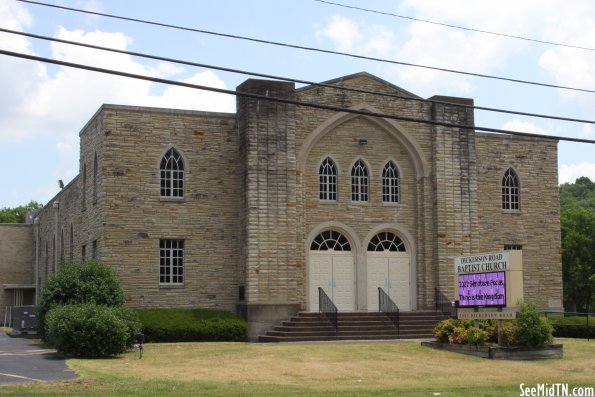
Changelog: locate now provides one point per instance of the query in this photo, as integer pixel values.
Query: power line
(276, 43)
(510, 36)
(286, 101)
(249, 73)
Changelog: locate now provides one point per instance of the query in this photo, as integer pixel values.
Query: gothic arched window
(172, 174)
(359, 181)
(511, 191)
(390, 183)
(328, 180)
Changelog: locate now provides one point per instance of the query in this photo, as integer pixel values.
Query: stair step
(350, 332)
(313, 326)
(266, 338)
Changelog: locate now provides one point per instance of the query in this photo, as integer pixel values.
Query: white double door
(389, 270)
(334, 272)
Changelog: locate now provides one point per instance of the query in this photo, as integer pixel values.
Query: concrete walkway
(22, 361)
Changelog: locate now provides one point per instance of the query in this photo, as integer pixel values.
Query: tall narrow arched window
(511, 191)
(390, 183)
(47, 259)
(71, 253)
(53, 262)
(359, 181)
(84, 188)
(328, 180)
(95, 171)
(172, 174)
(62, 247)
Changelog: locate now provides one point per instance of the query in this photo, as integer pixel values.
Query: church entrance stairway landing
(313, 326)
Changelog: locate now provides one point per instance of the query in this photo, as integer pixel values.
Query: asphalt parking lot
(22, 361)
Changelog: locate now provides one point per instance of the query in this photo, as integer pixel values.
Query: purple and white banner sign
(482, 289)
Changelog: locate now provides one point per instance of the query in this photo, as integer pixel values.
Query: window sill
(328, 202)
(364, 203)
(171, 199)
(389, 204)
(511, 212)
(171, 286)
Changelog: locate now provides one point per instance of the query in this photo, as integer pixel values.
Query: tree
(581, 194)
(18, 214)
(578, 258)
(75, 283)
(81, 312)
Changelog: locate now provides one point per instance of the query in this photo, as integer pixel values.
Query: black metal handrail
(443, 304)
(328, 308)
(389, 308)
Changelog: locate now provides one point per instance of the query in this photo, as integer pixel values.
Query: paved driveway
(22, 361)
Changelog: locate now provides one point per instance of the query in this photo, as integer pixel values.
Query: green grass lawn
(329, 369)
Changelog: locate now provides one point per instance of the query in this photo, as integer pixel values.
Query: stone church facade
(253, 211)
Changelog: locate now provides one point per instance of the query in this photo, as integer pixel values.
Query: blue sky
(43, 107)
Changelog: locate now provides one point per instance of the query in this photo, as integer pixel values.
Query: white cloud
(343, 32)
(185, 98)
(574, 25)
(35, 102)
(547, 20)
(587, 131)
(523, 126)
(51, 104)
(14, 16)
(569, 173)
(353, 36)
(439, 46)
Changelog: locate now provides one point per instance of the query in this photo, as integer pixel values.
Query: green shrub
(491, 329)
(191, 325)
(574, 330)
(89, 330)
(133, 324)
(458, 336)
(533, 330)
(466, 323)
(510, 333)
(444, 329)
(79, 283)
(476, 336)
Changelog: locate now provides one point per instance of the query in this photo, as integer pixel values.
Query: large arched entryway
(332, 267)
(388, 267)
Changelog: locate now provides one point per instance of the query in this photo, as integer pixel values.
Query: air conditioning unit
(24, 320)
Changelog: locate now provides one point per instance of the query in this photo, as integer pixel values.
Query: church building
(253, 211)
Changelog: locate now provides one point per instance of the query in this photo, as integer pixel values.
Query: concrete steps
(313, 326)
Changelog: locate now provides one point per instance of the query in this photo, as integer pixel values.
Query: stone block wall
(56, 230)
(16, 259)
(273, 271)
(136, 217)
(536, 226)
(455, 187)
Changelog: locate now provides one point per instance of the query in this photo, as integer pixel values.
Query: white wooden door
(334, 272)
(389, 270)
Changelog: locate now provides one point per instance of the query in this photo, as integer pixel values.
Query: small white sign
(482, 263)
(486, 315)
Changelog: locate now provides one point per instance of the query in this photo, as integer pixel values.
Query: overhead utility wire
(511, 36)
(286, 101)
(243, 72)
(276, 43)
